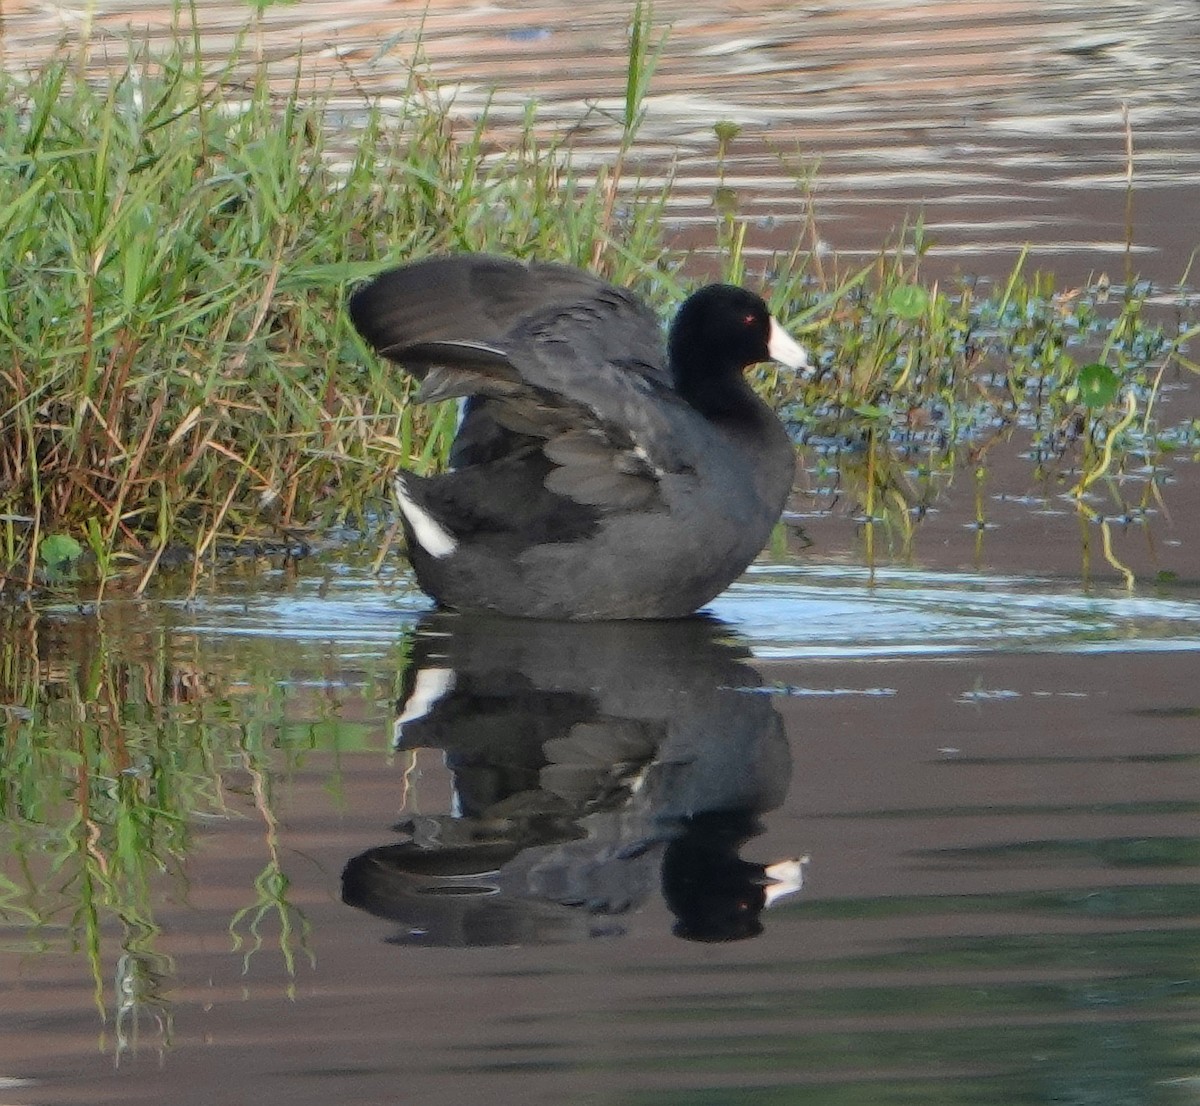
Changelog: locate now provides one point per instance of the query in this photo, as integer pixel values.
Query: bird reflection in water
(591, 763)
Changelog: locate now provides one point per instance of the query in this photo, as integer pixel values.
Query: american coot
(592, 476)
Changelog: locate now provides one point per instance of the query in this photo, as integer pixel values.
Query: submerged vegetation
(179, 378)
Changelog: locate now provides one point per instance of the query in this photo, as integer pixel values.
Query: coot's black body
(593, 476)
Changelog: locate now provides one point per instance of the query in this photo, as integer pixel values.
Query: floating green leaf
(1098, 385)
(726, 131)
(57, 550)
(725, 200)
(908, 301)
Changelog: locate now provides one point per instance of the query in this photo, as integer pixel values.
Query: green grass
(924, 382)
(179, 375)
(176, 253)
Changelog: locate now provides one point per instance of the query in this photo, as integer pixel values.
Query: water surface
(1000, 125)
(989, 782)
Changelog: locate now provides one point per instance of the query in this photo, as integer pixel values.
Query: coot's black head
(718, 332)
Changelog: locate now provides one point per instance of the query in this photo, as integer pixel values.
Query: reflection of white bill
(786, 876)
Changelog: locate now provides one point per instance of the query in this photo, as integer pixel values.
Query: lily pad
(57, 550)
(1098, 385)
(908, 301)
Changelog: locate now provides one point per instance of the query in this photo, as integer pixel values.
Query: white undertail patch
(431, 535)
(431, 685)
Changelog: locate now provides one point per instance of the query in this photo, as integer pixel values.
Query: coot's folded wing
(603, 366)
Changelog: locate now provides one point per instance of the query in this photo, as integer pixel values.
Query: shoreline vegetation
(180, 381)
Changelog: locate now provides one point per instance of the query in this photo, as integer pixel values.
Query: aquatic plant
(921, 380)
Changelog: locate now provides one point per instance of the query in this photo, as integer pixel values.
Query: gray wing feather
(549, 354)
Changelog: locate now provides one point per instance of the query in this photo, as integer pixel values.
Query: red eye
(750, 319)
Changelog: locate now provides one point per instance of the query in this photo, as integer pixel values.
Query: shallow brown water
(1000, 123)
(984, 744)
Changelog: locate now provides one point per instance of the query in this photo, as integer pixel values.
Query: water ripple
(835, 611)
(781, 610)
